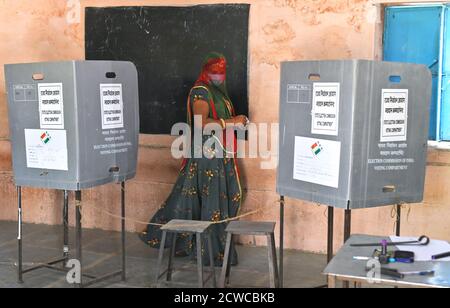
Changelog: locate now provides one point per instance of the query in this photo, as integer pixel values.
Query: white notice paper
(394, 115)
(424, 253)
(112, 105)
(325, 109)
(317, 161)
(51, 105)
(299, 93)
(46, 149)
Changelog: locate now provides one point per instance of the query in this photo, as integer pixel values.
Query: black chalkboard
(168, 45)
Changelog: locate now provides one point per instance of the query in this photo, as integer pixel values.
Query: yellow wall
(37, 30)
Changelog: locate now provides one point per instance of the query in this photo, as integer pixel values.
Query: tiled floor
(101, 254)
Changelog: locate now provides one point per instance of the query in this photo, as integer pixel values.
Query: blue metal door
(413, 35)
(444, 127)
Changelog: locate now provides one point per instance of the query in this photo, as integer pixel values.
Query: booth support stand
(66, 248)
(124, 255)
(330, 234)
(281, 266)
(399, 220)
(19, 236)
(78, 239)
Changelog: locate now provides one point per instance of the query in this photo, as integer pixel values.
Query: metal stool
(251, 228)
(186, 226)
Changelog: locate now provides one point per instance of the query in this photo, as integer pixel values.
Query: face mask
(217, 79)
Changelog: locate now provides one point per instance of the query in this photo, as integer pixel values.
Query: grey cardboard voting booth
(75, 128)
(357, 136)
(74, 125)
(353, 134)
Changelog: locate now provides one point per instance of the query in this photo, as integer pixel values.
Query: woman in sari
(208, 188)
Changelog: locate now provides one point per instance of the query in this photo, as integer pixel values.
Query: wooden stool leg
(226, 259)
(171, 257)
(161, 256)
(199, 260)
(211, 260)
(272, 263)
(275, 263)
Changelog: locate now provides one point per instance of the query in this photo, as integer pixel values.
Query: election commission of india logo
(45, 138)
(316, 148)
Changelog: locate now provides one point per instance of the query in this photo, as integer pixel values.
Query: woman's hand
(240, 120)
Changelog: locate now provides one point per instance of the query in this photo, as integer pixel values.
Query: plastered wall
(38, 30)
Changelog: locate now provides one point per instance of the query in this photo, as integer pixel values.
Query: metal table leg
(201, 282)
(160, 257)
(226, 261)
(211, 260)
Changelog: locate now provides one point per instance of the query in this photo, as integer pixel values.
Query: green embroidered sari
(207, 189)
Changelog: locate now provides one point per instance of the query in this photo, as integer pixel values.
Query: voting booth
(353, 134)
(74, 125)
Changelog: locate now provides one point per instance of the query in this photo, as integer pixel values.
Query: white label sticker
(51, 105)
(325, 109)
(25, 92)
(112, 105)
(394, 115)
(317, 161)
(46, 149)
(299, 94)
